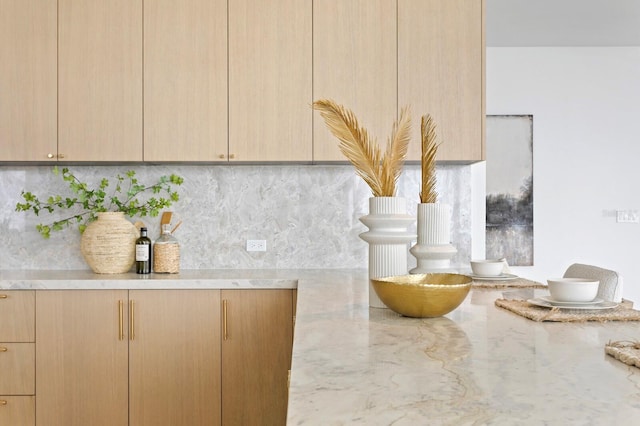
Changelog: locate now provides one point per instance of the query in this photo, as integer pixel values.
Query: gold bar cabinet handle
(225, 329)
(4, 296)
(132, 314)
(3, 402)
(120, 320)
(3, 349)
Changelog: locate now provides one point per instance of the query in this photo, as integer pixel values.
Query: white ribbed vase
(388, 238)
(433, 250)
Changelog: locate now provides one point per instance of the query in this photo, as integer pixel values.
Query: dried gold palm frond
(396, 152)
(428, 192)
(355, 144)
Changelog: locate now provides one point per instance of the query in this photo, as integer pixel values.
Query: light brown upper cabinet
(100, 80)
(185, 80)
(354, 63)
(28, 61)
(441, 72)
(270, 80)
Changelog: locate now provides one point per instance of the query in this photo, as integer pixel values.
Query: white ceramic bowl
(573, 289)
(487, 268)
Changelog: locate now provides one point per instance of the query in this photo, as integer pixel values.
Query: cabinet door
(355, 64)
(17, 410)
(270, 80)
(28, 52)
(17, 316)
(81, 358)
(174, 357)
(185, 80)
(100, 80)
(441, 72)
(256, 356)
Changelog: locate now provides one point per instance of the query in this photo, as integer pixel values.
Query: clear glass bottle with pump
(143, 253)
(166, 252)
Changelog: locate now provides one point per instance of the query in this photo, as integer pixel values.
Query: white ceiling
(563, 23)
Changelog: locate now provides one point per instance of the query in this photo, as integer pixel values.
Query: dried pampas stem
(428, 193)
(380, 172)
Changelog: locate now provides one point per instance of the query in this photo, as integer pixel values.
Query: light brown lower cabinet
(256, 356)
(158, 357)
(17, 410)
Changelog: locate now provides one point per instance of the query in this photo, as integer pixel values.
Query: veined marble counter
(189, 279)
(478, 365)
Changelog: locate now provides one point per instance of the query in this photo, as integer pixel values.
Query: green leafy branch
(89, 202)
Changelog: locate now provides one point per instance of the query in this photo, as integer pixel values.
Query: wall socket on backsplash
(256, 245)
(627, 216)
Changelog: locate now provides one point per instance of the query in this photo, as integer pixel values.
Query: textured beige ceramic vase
(108, 244)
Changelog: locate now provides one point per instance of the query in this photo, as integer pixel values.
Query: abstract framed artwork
(509, 202)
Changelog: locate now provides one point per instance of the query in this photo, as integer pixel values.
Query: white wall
(586, 151)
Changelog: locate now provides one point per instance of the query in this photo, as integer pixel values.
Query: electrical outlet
(628, 216)
(256, 245)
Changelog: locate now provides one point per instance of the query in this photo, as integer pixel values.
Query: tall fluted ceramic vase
(433, 249)
(388, 239)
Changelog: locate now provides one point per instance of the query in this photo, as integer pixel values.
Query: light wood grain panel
(81, 365)
(185, 80)
(270, 80)
(441, 72)
(17, 410)
(28, 55)
(17, 368)
(17, 316)
(175, 358)
(355, 64)
(100, 80)
(256, 356)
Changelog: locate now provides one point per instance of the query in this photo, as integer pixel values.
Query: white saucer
(501, 277)
(595, 301)
(601, 305)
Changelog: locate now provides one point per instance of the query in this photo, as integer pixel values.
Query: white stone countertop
(189, 279)
(478, 365)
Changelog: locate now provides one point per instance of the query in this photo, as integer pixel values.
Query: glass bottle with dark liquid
(143, 253)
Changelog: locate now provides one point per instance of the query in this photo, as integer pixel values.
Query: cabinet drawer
(17, 369)
(17, 316)
(17, 410)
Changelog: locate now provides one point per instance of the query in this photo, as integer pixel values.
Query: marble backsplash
(308, 214)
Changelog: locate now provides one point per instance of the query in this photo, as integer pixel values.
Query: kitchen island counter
(478, 365)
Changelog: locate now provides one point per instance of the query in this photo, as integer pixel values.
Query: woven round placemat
(537, 313)
(624, 351)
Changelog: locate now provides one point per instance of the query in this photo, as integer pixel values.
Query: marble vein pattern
(308, 214)
(478, 365)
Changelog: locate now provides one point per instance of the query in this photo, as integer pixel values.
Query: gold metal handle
(3, 402)
(60, 155)
(4, 296)
(232, 156)
(120, 320)
(50, 155)
(225, 329)
(132, 326)
(221, 156)
(3, 349)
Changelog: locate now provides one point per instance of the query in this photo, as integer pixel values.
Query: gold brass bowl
(423, 295)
